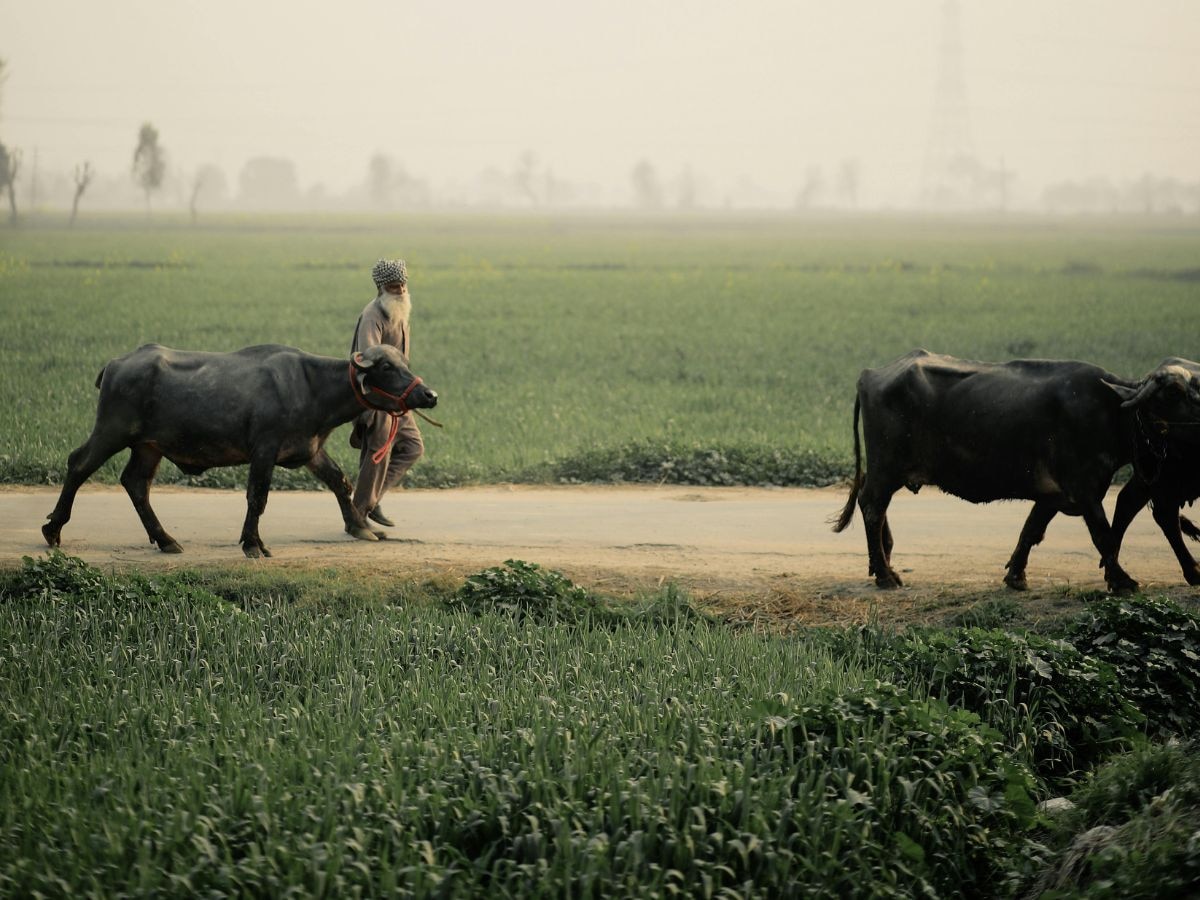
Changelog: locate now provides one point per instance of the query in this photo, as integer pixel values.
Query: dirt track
(735, 541)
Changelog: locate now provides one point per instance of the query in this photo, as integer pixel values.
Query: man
(384, 321)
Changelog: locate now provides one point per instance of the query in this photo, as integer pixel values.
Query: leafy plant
(1154, 646)
(56, 575)
(526, 590)
(1064, 709)
(665, 462)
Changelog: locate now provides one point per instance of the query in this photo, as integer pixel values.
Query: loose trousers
(376, 478)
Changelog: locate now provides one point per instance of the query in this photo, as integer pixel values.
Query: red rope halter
(360, 393)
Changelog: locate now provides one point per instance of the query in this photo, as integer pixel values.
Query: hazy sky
(756, 91)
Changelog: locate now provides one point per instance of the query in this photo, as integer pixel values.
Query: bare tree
(207, 180)
(10, 167)
(149, 162)
(83, 177)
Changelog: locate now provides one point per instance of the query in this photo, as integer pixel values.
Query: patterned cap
(388, 271)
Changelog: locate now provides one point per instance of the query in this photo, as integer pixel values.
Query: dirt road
(735, 540)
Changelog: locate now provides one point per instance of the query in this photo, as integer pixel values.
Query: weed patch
(1154, 646)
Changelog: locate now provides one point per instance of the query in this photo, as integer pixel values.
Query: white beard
(396, 308)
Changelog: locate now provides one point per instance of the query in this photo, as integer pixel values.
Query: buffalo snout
(423, 398)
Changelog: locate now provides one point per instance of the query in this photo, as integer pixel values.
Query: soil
(760, 552)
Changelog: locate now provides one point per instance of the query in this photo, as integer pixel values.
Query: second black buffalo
(1051, 431)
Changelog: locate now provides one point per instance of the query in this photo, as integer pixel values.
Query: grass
(171, 741)
(710, 349)
(186, 734)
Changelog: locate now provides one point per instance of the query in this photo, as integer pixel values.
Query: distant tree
(388, 185)
(83, 177)
(524, 177)
(686, 195)
(814, 183)
(647, 190)
(149, 162)
(847, 182)
(207, 180)
(10, 160)
(379, 179)
(10, 167)
(269, 182)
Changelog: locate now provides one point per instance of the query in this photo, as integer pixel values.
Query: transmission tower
(951, 174)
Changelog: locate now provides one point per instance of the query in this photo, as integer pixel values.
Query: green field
(332, 733)
(235, 734)
(712, 349)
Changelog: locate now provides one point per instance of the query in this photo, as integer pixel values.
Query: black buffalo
(1166, 473)
(1054, 432)
(267, 405)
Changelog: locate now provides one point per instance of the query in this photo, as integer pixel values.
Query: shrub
(1154, 646)
(672, 463)
(56, 575)
(1065, 709)
(525, 590)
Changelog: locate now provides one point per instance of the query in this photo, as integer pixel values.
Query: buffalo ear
(361, 362)
(1127, 394)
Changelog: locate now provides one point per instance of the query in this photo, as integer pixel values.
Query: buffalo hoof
(364, 534)
(1124, 587)
(1192, 576)
(1016, 581)
(170, 546)
(256, 551)
(889, 581)
(51, 534)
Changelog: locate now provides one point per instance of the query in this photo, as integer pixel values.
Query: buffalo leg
(1032, 534)
(258, 485)
(332, 476)
(81, 464)
(873, 503)
(1117, 578)
(1130, 501)
(1167, 516)
(136, 479)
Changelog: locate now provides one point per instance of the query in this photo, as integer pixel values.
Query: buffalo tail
(1188, 527)
(840, 521)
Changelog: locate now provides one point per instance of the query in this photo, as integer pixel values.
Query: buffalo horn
(1144, 392)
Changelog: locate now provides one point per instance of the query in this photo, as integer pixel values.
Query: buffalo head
(386, 382)
(1168, 399)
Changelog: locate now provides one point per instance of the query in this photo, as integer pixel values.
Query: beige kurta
(383, 321)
